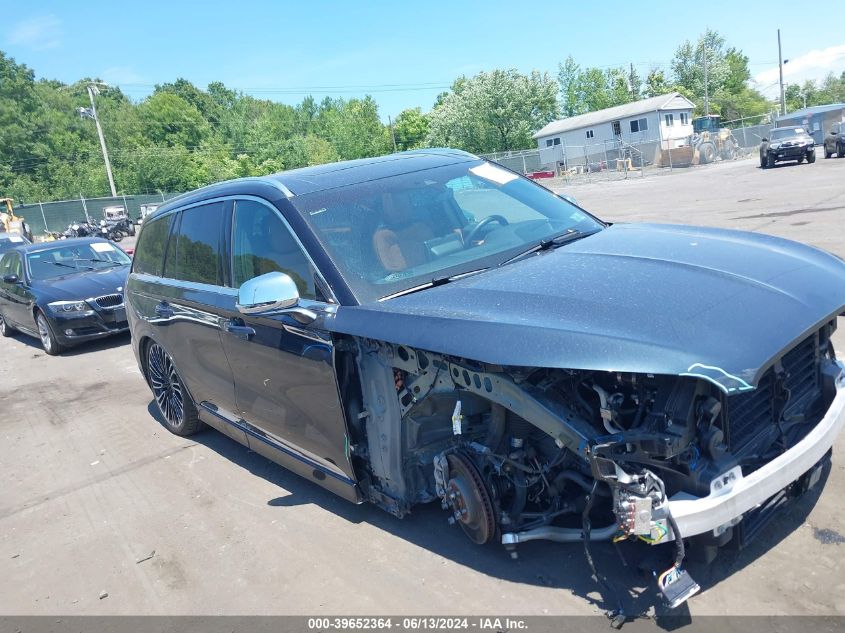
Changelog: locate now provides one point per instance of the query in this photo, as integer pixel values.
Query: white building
(665, 120)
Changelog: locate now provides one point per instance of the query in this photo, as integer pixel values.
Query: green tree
(688, 65)
(656, 83)
(410, 129)
(494, 111)
(354, 128)
(167, 119)
(568, 76)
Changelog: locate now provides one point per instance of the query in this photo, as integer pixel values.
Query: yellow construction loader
(710, 140)
(11, 223)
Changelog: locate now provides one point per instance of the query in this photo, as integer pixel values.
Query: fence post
(586, 163)
(624, 161)
(565, 165)
(43, 217)
(642, 164)
(85, 208)
(669, 152)
(606, 160)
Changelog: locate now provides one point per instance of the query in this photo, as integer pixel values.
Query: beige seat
(400, 243)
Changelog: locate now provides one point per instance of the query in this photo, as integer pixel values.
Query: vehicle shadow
(628, 566)
(779, 165)
(97, 345)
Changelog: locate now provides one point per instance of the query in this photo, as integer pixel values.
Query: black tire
(800, 159)
(172, 399)
(706, 154)
(48, 339)
(6, 330)
(811, 157)
(770, 160)
(840, 151)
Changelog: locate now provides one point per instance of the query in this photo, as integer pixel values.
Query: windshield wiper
(69, 266)
(435, 281)
(547, 244)
(102, 261)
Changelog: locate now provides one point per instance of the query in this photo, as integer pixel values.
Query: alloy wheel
(44, 334)
(166, 386)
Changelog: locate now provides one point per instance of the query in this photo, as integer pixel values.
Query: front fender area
(521, 448)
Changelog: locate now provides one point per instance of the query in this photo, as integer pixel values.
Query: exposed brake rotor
(469, 499)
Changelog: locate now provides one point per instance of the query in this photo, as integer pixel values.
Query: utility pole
(706, 87)
(92, 89)
(392, 135)
(631, 81)
(780, 67)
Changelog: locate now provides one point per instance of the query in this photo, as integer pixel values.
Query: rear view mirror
(267, 293)
(10, 279)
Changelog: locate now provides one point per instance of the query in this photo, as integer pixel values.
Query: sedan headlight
(774, 146)
(69, 306)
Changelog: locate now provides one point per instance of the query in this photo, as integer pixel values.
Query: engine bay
(516, 454)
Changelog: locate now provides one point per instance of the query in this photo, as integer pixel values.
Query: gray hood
(659, 299)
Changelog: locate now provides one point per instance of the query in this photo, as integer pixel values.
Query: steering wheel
(473, 232)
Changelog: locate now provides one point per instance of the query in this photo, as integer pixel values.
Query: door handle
(235, 327)
(164, 311)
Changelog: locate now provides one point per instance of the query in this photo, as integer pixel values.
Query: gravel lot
(90, 483)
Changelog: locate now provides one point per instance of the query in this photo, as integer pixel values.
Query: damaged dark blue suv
(430, 327)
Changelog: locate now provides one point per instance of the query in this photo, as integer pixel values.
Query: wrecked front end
(525, 453)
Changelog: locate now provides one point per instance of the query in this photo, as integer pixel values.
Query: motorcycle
(80, 229)
(110, 231)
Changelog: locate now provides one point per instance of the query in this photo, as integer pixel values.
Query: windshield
(401, 232)
(64, 260)
(783, 133)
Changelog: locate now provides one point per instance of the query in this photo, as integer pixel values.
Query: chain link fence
(44, 217)
(617, 160)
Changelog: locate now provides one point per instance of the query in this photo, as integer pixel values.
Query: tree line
(181, 137)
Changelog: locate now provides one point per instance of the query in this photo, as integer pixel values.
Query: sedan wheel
(48, 340)
(173, 401)
(5, 328)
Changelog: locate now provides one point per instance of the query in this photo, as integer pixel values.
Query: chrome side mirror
(267, 293)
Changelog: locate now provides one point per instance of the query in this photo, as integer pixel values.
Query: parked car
(64, 292)
(431, 327)
(834, 142)
(11, 240)
(787, 143)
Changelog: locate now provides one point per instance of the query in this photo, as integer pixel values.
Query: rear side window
(195, 255)
(262, 243)
(152, 243)
(13, 265)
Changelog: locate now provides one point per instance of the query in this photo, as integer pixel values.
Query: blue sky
(402, 53)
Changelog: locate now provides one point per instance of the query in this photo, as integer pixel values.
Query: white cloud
(38, 33)
(814, 64)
